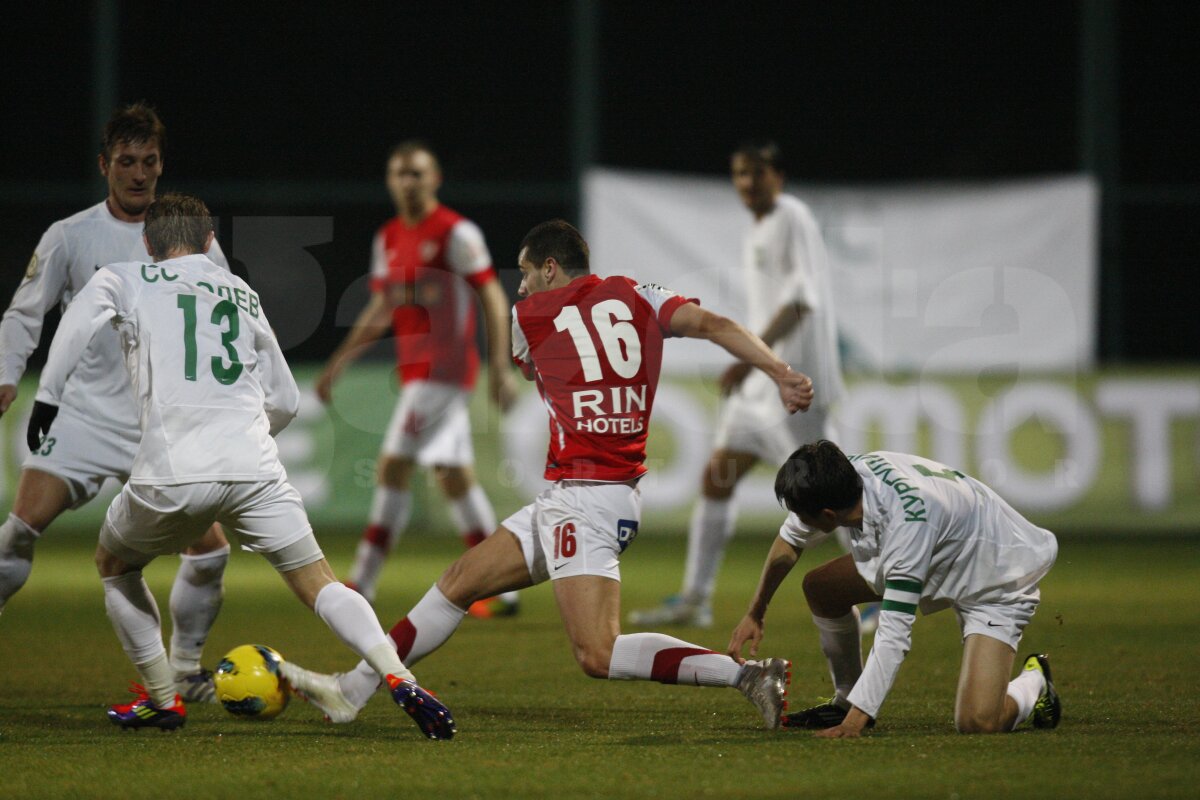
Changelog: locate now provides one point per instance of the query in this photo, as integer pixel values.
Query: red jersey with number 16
(594, 347)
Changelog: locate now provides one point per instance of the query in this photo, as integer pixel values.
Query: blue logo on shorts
(627, 530)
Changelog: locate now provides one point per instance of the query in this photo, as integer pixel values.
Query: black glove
(39, 424)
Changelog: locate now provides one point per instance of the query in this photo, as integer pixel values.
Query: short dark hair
(410, 146)
(816, 477)
(135, 123)
(177, 222)
(764, 151)
(559, 240)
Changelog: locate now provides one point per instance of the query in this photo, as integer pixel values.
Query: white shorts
(1003, 621)
(431, 426)
(753, 422)
(267, 517)
(577, 528)
(84, 454)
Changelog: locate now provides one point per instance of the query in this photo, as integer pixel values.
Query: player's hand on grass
(39, 423)
(732, 377)
(796, 391)
(851, 728)
(8, 393)
(748, 630)
(502, 387)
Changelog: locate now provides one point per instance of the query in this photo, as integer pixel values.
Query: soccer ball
(249, 684)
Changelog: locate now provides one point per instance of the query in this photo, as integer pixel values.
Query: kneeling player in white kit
(924, 536)
(595, 346)
(212, 390)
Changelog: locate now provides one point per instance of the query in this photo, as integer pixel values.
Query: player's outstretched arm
(692, 321)
(501, 385)
(780, 560)
(372, 322)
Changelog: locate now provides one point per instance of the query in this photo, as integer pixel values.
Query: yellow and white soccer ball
(249, 683)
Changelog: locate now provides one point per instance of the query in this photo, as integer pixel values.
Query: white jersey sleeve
(281, 395)
(105, 297)
(806, 252)
(379, 264)
(466, 251)
(794, 532)
(41, 289)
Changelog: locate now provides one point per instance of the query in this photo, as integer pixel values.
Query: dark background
(288, 111)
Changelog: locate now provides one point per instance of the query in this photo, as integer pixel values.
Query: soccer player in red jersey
(594, 347)
(428, 264)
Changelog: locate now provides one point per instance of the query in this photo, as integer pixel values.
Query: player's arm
(101, 300)
(496, 322)
(692, 321)
(41, 289)
(782, 556)
(907, 553)
(372, 322)
(281, 395)
(786, 319)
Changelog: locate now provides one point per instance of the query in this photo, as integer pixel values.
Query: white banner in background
(932, 279)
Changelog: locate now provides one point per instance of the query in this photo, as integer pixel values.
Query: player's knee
(593, 662)
(820, 599)
(393, 472)
(975, 722)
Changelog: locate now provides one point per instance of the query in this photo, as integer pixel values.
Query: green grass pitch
(1119, 618)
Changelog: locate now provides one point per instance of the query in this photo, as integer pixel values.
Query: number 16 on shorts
(565, 543)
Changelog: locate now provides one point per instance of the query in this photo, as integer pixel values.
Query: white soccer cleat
(675, 610)
(323, 691)
(765, 684)
(196, 687)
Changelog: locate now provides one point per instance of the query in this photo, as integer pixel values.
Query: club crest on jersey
(31, 270)
(427, 250)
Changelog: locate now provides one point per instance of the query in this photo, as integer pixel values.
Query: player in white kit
(790, 305)
(923, 535)
(96, 433)
(212, 390)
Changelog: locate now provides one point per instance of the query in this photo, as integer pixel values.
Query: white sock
(349, 616)
(390, 512)
(1025, 689)
(195, 600)
(472, 513)
(431, 622)
(158, 679)
(709, 531)
(662, 658)
(842, 646)
(16, 556)
(383, 659)
(134, 616)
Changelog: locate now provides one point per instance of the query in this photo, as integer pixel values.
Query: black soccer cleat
(819, 717)
(1047, 711)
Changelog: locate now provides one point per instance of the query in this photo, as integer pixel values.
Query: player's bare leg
(709, 531)
(349, 616)
(495, 565)
(196, 598)
(590, 606)
(988, 702)
(41, 497)
(982, 704)
(833, 590)
(391, 507)
(476, 519)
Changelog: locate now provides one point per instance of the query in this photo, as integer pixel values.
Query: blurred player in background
(96, 435)
(427, 264)
(213, 389)
(790, 304)
(594, 347)
(924, 536)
